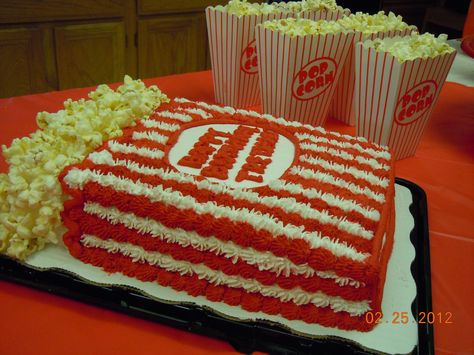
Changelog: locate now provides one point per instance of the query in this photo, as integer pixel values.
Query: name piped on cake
(239, 155)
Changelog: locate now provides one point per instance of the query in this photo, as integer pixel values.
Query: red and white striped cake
(242, 208)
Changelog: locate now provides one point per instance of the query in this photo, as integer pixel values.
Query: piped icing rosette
(412, 47)
(243, 8)
(30, 196)
(379, 22)
(304, 27)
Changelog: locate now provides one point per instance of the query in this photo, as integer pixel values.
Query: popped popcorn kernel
(412, 47)
(243, 8)
(31, 197)
(303, 27)
(379, 22)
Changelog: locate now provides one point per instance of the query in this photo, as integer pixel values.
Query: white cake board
(399, 293)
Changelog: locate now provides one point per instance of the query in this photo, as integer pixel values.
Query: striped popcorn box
(342, 106)
(233, 55)
(298, 74)
(394, 97)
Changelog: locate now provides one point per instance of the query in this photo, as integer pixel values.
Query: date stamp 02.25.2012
(404, 318)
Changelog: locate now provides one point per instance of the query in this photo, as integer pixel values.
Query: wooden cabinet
(90, 54)
(147, 7)
(172, 36)
(171, 44)
(22, 11)
(58, 44)
(23, 61)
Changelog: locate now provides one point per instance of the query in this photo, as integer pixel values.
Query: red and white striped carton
(234, 57)
(393, 100)
(233, 52)
(298, 74)
(342, 106)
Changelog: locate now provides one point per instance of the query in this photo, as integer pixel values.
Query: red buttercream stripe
(232, 296)
(142, 143)
(203, 196)
(320, 205)
(316, 203)
(103, 229)
(150, 162)
(240, 233)
(142, 128)
(362, 199)
(353, 151)
(380, 173)
(345, 176)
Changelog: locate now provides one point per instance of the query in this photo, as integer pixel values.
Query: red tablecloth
(34, 322)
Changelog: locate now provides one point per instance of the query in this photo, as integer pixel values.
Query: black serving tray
(244, 336)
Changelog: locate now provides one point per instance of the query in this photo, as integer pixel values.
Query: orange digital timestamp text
(404, 318)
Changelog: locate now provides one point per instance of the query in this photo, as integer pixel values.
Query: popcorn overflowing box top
(365, 23)
(379, 22)
(242, 7)
(303, 27)
(412, 47)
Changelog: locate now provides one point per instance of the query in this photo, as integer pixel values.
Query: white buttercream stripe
(151, 136)
(280, 120)
(197, 111)
(340, 168)
(78, 178)
(175, 115)
(160, 125)
(329, 179)
(289, 205)
(265, 261)
(374, 164)
(117, 147)
(330, 199)
(296, 295)
(383, 154)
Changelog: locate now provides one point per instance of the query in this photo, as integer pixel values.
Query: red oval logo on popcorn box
(414, 103)
(314, 78)
(235, 154)
(248, 59)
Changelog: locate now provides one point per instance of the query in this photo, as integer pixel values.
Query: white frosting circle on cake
(282, 157)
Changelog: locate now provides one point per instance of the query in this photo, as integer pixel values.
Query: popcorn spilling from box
(413, 47)
(365, 26)
(30, 195)
(304, 27)
(243, 8)
(397, 85)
